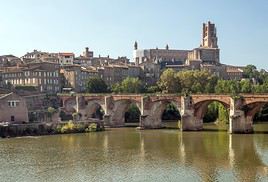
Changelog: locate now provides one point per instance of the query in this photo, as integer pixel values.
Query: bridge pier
(106, 120)
(238, 122)
(150, 114)
(189, 122)
(148, 122)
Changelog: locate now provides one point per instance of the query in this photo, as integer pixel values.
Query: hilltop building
(44, 77)
(206, 56)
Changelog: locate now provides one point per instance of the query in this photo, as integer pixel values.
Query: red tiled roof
(66, 54)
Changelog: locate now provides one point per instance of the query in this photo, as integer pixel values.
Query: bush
(93, 127)
(68, 128)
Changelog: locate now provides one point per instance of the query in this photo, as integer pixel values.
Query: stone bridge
(192, 109)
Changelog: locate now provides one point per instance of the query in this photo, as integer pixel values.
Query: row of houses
(51, 77)
(50, 72)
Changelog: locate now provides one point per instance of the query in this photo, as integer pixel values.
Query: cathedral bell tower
(209, 37)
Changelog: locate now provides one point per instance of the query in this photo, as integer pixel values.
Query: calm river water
(127, 154)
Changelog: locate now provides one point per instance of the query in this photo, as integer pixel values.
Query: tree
(197, 81)
(128, 85)
(96, 85)
(251, 72)
(223, 115)
(246, 86)
(168, 82)
(131, 85)
(227, 87)
(153, 89)
(116, 88)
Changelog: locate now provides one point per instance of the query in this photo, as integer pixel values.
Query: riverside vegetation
(72, 127)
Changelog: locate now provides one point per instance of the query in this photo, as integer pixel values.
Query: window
(13, 103)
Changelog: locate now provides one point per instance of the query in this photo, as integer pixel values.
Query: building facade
(66, 58)
(77, 77)
(13, 109)
(45, 77)
(113, 73)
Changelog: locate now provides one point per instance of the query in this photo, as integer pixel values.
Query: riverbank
(39, 129)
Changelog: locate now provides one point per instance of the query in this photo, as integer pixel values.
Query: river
(127, 154)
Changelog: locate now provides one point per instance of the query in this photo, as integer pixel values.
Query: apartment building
(43, 76)
(76, 77)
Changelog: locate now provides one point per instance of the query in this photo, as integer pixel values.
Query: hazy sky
(110, 27)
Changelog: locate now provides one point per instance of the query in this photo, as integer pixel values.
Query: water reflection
(131, 155)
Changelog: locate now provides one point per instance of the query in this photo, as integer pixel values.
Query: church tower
(209, 37)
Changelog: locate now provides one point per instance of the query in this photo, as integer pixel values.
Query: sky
(110, 27)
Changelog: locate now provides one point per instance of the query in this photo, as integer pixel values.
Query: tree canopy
(96, 85)
(128, 85)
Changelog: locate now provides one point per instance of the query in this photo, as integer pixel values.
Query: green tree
(223, 114)
(227, 87)
(128, 85)
(168, 82)
(246, 86)
(96, 85)
(212, 112)
(153, 89)
(116, 88)
(197, 81)
(131, 85)
(251, 72)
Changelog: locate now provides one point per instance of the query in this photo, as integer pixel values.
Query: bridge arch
(119, 108)
(154, 114)
(200, 108)
(70, 105)
(93, 108)
(251, 109)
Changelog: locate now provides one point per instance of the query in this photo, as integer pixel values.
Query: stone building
(1, 79)
(43, 76)
(151, 72)
(34, 56)
(208, 52)
(135, 71)
(205, 57)
(76, 77)
(160, 56)
(234, 73)
(13, 108)
(66, 58)
(105, 61)
(112, 74)
(85, 59)
(9, 60)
